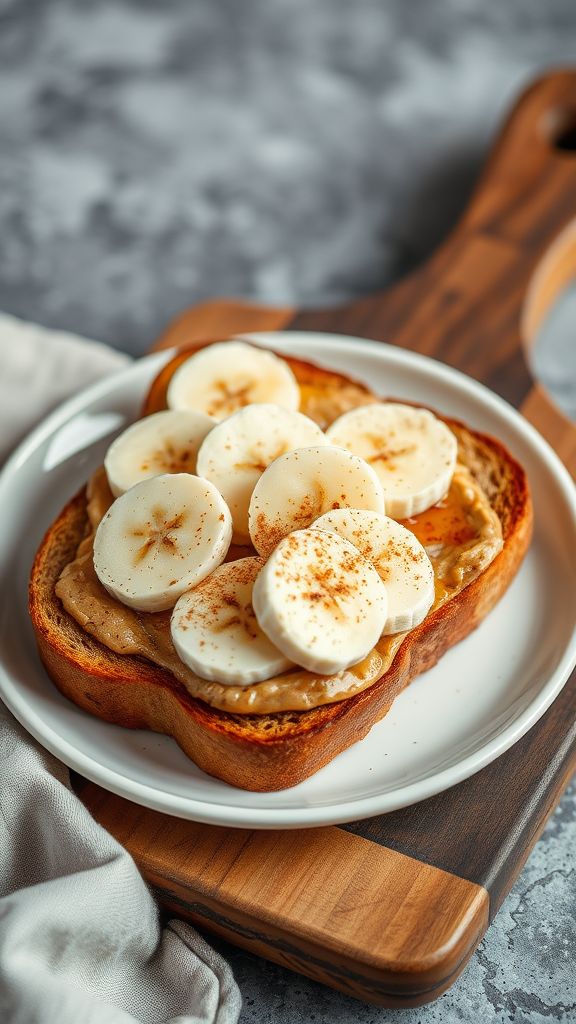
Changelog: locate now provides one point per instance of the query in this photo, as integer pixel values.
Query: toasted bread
(268, 751)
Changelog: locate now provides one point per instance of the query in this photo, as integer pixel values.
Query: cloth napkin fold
(80, 937)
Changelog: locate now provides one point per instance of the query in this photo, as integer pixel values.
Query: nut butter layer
(462, 536)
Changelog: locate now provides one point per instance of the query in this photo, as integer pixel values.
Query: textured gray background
(291, 151)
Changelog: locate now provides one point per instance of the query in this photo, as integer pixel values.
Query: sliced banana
(398, 557)
(299, 486)
(320, 601)
(160, 538)
(413, 452)
(223, 378)
(166, 442)
(216, 633)
(238, 450)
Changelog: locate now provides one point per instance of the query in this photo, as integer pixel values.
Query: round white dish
(479, 700)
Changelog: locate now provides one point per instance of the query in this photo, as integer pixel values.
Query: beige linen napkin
(80, 938)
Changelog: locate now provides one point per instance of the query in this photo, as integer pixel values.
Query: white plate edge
(267, 818)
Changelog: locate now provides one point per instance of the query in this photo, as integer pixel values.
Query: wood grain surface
(329, 903)
(390, 909)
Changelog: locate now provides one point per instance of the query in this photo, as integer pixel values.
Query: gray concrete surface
(292, 152)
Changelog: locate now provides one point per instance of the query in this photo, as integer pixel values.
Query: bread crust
(260, 752)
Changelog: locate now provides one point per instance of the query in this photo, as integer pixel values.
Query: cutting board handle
(479, 301)
(531, 168)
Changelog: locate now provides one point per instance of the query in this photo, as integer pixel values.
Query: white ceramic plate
(479, 700)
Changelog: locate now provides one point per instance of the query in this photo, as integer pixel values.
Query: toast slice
(269, 751)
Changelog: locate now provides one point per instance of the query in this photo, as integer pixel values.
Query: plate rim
(228, 814)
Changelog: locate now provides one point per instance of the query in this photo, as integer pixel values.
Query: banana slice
(238, 450)
(320, 601)
(215, 631)
(413, 452)
(223, 378)
(398, 557)
(160, 538)
(301, 485)
(166, 442)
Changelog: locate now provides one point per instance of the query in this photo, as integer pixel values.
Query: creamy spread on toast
(460, 533)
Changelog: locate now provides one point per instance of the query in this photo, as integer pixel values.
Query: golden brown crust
(265, 752)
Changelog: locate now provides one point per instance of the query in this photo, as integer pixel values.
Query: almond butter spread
(462, 535)
(325, 401)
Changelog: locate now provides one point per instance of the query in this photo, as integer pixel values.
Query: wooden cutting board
(390, 909)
